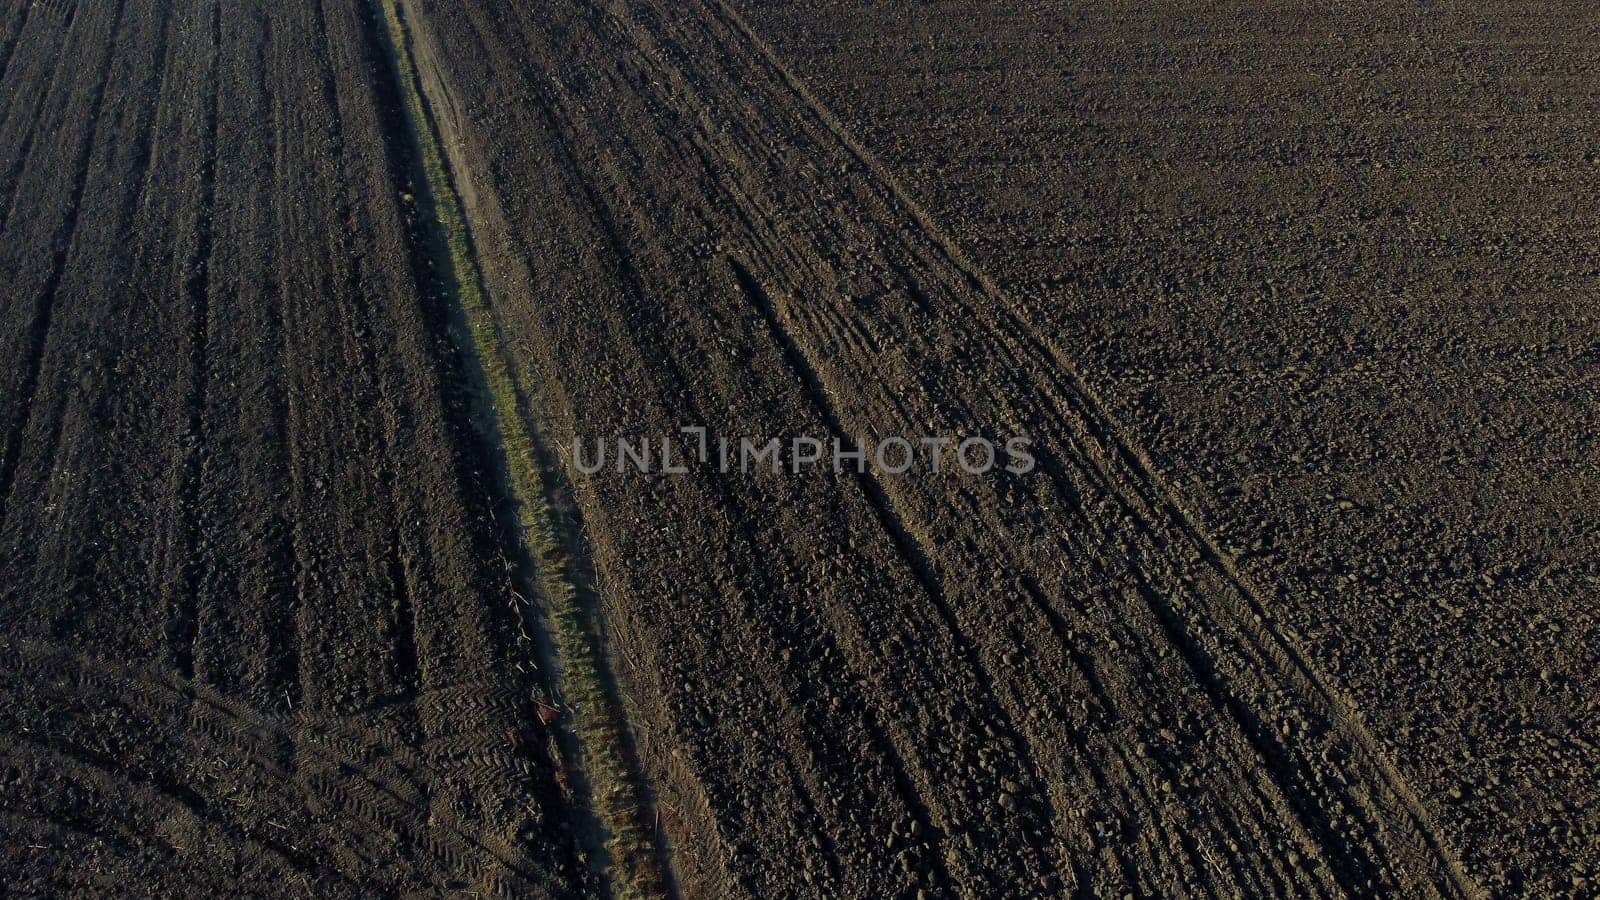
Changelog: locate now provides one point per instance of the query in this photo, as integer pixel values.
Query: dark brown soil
(1298, 600)
(258, 626)
(1336, 273)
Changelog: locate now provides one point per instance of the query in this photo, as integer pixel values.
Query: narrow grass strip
(598, 738)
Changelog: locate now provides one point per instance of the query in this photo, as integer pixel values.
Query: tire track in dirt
(597, 746)
(571, 552)
(15, 27)
(1154, 494)
(373, 788)
(612, 232)
(32, 119)
(38, 329)
(63, 515)
(109, 208)
(907, 545)
(453, 720)
(155, 794)
(1162, 496)
(1159, 496)
(183, 625)
(289, 629)
(924, 301)
(909, 549)
(1136, 559)
(1142, 798)
(406, 663)
(95, 552)
(973, 706)
(907, 786)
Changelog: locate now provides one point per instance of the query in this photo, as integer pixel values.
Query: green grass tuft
(597, 721)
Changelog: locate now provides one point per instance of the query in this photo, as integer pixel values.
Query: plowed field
(367, 520)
